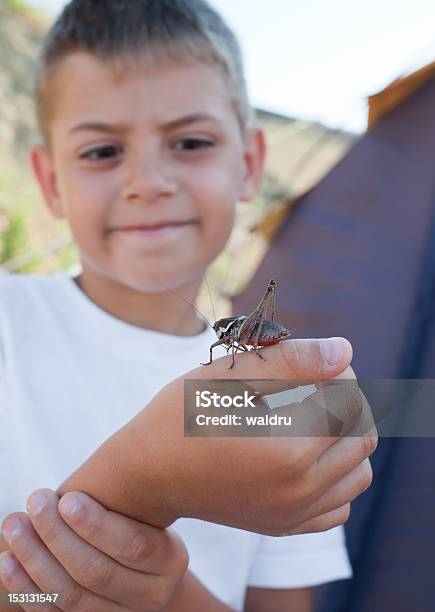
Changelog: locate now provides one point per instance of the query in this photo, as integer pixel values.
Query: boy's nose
(147, 181)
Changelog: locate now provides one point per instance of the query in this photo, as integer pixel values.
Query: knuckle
(298, 456)
(29, 554)
(92, 527)
(95, 573)
(183, 560)
(291, 355)
(302, 495)
(367, 475)
(50, 532)
(368, 445)
(339, 517)
(70, 595)
(344, 514)
(179, 556)
(163, 590)
(373, 439)
(139, 548)
(354, 397)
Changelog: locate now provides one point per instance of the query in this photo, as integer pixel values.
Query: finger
(134, 544)
(45, 571)
(88, 566)
(319, 420)
(344, 491)
(298, 360)
(322, 523)
(324, 489)
(365, 425)
(340, 460)
(16, 580)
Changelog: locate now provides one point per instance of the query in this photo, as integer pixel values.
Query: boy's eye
(100, 153)
(109, 151)
(192, 144)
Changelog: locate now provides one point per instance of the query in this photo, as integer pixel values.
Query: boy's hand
(96, 560)
(150, 471)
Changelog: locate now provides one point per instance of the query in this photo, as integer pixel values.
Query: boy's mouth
(155, 230)
(153, 226)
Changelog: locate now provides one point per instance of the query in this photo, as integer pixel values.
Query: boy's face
(119, 160)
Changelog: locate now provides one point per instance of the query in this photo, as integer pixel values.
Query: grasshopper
(257, 329)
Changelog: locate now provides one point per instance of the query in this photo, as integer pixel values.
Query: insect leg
(259, 354)
(241, 347)
(232, 355)
(257, 336)
(217, 343)
(238, 347)
(272, 304)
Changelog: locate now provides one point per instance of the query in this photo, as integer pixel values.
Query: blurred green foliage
(14, 238)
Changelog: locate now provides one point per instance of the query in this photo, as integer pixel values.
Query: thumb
(324, 357)
(305, 361)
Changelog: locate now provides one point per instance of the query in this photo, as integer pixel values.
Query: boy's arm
(194, 597)
(278, 600)
(189, 595)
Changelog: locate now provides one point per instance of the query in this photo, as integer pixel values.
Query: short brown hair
(113, 29)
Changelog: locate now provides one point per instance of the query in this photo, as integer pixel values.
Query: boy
(121, 86)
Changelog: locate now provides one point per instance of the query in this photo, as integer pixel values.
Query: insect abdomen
(271, 333)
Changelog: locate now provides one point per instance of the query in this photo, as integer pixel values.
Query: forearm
(192, 596)
(130, 473)
(151, 472)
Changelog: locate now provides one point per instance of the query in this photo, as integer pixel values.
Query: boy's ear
(254, 156)
(46, 177)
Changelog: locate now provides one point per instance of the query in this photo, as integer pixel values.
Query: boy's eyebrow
(100, 126)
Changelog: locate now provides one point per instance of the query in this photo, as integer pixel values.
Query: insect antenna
(211, 301)
(203, 317)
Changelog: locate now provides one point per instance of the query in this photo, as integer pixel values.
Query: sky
(320, 59)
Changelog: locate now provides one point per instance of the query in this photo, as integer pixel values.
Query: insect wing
(265, 311)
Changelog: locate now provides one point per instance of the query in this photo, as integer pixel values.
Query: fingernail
(7, 563)
(332, 350)
(70, 506)
(12, 528)
(36, 503)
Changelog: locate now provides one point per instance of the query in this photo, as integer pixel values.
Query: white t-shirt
(71, 374)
